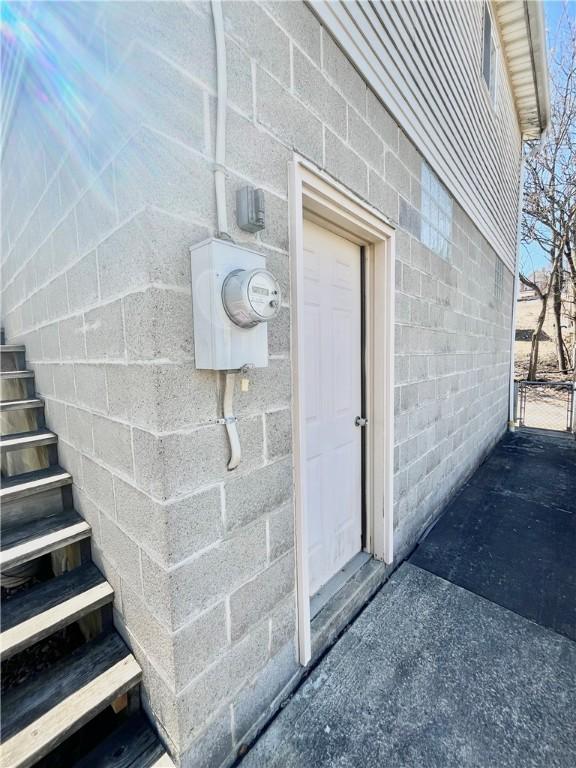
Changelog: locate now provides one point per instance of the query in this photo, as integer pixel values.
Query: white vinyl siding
(424, 61)
(489, 55)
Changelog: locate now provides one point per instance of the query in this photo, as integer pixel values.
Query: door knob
(360, 421)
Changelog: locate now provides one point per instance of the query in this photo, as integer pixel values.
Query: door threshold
(327, 592)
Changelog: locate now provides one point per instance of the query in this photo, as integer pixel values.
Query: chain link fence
(546, 405)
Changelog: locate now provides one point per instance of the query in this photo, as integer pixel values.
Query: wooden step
(32, 539)
(133, 745)
(28, 440)
(18, 405)
(5, 348)
(16, 374)
(43, 712)
(34, 482)
(46, 608)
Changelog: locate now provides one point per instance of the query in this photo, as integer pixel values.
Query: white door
(333, 399)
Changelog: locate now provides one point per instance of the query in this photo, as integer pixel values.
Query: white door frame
(315, 195)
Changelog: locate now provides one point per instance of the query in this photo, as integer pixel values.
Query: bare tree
(549, 212)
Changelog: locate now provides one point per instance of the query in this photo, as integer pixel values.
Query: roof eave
(537, 34)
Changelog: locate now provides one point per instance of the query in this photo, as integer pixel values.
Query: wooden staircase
(82, 708)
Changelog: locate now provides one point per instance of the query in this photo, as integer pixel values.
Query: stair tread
(12, 348)
(16, 374)
(34, 482)
(133, 745)
(28, 440)
(15, 405)
(49, 606)
(42, 712)
(30, 539)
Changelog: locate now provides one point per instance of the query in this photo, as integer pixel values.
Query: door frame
(314, 195)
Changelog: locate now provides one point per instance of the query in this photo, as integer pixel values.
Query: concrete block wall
(97, 284)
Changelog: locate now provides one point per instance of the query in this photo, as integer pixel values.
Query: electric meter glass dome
(251, 296)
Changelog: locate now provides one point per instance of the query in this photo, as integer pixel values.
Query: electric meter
(250, 296)
(233, 298)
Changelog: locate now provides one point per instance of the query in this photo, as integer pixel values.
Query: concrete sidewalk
(436, 675)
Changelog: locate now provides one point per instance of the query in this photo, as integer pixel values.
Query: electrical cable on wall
(229, 418)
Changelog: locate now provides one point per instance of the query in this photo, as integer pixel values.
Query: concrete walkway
(467, 655)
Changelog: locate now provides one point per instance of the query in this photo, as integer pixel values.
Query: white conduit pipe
(221, 213)
(222, 94)
(230, 420)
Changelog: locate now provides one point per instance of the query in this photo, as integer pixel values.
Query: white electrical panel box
(233, 298)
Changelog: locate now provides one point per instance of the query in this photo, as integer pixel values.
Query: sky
(532, 256)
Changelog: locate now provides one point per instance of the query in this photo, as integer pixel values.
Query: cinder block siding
(97, 284)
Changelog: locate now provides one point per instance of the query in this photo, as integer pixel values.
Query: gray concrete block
(418, 367)
(90, 512)
(255, 703)
(342, 73)
(409, 218)
(279, 333)
(154, 247)
(254, 154)
(56, 298)
(269, 388)
(214, 745)
(312, 87)
(179, 32)
(345, 164)
(179, 464)
(281, 530)
(302, 131)
(158, 323)
(278, 425)
(162, 96)
(65, 242)
(72, 342)
(255, 599)
(383, 196)
(411, 280)
(98, 485)
(364, 140)
(260, 37)
(397, 175)
(104, 331)
(39, 307)
(152, 636)
(91, 386)
(409, 154)
(50, 340)
(122, 552)
(222, 681)
(276, 234)
(96, 212)
(80, 429)
(82, 282)
(113, 444)
(420, 256)
(64, 384)
(170, 397)
(299, 22)
(283, 627)
(172, 531)
(55, 415)
(198, 644)
(381, 120)
(251, 496)
(239, 74)
(172, 177)
(196, 584)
